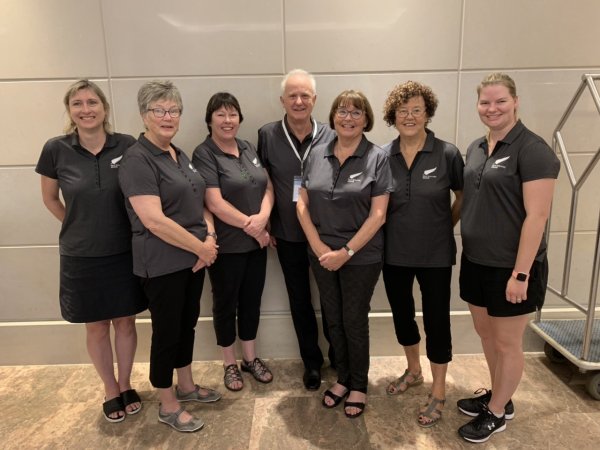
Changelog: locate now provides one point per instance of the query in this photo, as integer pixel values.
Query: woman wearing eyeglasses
(419, 238)
(240, 195)
(97, 286)
(173, 241)
(341, 208)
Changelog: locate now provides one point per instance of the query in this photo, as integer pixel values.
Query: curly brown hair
(404, 92)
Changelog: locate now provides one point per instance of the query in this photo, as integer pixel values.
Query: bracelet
(212, 234)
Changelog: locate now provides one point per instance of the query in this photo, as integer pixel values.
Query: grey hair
(158, 90)
(299, 72)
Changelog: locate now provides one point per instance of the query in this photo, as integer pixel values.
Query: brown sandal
(233, 375)
(401, 384)
(431, 415)
(258, 369)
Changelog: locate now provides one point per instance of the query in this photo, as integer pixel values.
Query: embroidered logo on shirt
(114, 163)
(427, 173)
(498, 163)
(192, 168)
(354, 178)
(256, 162)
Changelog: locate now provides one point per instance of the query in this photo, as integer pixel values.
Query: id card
(297, 186)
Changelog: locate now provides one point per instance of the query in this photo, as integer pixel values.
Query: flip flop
(112, 406)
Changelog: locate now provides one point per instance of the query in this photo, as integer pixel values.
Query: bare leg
(438, 391)
(125, 346)
(483, 327)
(414, 367)
(508, 338)
(169, 404)
(100, 351)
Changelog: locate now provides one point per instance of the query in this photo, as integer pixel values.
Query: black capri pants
(346, 301)
(434, 283)
(174, 304)
(237, 281)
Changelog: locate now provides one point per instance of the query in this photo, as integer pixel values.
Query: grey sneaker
(474, 406)
(172, 419)
(195, 395)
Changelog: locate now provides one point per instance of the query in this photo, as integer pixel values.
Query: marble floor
(48, 407)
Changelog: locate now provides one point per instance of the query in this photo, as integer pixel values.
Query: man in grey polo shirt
(283, 147)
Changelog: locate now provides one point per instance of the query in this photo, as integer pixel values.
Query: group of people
(142, 214)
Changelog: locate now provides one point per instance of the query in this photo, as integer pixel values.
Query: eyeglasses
(159, 113)
(416, 113)
(355, 113)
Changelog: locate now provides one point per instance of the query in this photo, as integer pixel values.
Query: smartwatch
(520, 276)
(349, 250)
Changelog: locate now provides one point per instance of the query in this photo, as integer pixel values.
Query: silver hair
(299, 72)
(158, 90)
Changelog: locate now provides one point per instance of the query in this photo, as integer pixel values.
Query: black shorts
(485, 286)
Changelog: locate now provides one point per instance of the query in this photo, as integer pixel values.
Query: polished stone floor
(48, 407)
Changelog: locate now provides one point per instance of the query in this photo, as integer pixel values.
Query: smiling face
(86, 110)
(497, 108)
(411, 117)
(298, 98)
(225, 123)
(349, 127)
(161, 130)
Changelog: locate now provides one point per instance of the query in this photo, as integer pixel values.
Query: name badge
(297, 185)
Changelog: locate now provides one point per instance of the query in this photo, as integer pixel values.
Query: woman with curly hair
(419, 238)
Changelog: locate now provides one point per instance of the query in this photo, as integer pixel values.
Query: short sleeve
(383, 181)
(537, 161)
(137, 176)
(47, 162)
(206, 165)
(455, 168)
(261, 150)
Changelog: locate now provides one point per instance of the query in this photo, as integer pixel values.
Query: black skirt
(100, 288)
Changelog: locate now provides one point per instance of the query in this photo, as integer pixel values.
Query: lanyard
(287, 135)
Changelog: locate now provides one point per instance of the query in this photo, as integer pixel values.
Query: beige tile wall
(245, 47)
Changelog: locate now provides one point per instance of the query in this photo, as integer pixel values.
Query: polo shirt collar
(308, 138)
(153, 148)
(509, 138)
(111, 141)
(242, 146)
(359, 153)
(427, 147)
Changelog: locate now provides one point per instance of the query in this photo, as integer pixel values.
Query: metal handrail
(558, 145)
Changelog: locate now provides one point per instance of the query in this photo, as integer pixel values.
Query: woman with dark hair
(240, 195)
(95, 240)
(509, 182)
(419, 238)
(173, 241)
(341, 208)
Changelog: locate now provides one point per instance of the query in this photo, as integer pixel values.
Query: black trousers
(435, 298)
(346, 299)
(237, 282)
(293, 258)
(174, 304)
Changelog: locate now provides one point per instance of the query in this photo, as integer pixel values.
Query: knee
(98, 330)
(124, 325)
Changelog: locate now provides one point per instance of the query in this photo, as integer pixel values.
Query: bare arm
(456, 206)
(149, 210)
(51, 198)
(310, 231)
(537, 198)
(335, 259)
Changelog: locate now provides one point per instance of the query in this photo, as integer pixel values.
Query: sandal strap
(432, 406)
(113, 405)
(130, 396)
(232, 374)
(258, 368)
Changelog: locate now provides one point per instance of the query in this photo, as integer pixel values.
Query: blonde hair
(498, 78)
(78, 86)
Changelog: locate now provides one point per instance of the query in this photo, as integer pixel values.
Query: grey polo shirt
(340, 196)
(283, 165)
(493, 212)
(418, 230)
(148, 170)
(243, 182)
(95, 222)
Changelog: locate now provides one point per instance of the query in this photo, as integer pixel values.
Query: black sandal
(130, 397)
(232, 374)
(114, 405)
(258, 369)
(337, 399)
(360, 405)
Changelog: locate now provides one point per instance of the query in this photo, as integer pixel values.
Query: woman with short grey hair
(173, 241)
